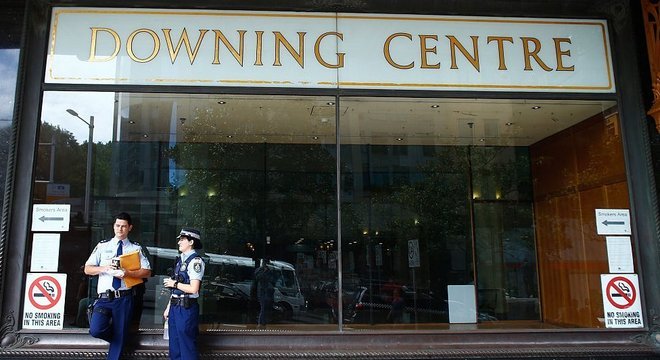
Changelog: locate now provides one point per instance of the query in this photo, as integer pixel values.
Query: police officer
(113, 308)
(182, 312)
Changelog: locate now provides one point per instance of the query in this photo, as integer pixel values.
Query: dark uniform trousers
(111, 321)
(183, 327)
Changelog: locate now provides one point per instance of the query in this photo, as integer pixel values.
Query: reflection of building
(273, 140)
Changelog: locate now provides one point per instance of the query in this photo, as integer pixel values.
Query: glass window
(440, 198)
(12, 21)
(447, 195)
(256, 174)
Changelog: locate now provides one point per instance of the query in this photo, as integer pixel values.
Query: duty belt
(186, 302)
(113, 294)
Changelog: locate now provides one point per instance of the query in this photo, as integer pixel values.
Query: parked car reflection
(402, 305)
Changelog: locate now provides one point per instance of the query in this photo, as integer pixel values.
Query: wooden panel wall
(574, 172)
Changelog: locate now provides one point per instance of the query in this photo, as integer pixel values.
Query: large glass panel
(454, 210)
(256, 174)
(12, 24)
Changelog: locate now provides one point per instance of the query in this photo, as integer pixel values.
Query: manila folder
(131, 261)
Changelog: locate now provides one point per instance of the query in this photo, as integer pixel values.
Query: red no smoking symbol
(47, 290)
(621, 292)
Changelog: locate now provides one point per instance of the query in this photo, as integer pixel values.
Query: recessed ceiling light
(222, 102)
(509, 123)
(482, 139)
(145, 136)
(331, 103)
(435, 106)
(315, 137)
(535, 107)
(399, 139)
(131, 121)
(229, 136)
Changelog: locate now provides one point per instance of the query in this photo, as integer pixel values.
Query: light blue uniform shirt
(103, 254)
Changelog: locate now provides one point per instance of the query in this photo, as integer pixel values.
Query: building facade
(427, 179)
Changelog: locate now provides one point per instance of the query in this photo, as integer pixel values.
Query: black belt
(186, 302)
(113, 294)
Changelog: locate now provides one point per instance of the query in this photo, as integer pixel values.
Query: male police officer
(182, 312)
(111, 317)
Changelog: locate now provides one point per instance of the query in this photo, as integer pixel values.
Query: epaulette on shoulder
(104, 241)
(134, 242)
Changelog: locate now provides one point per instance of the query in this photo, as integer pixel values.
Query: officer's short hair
(124, 216)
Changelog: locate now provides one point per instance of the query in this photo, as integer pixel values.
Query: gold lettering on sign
(500, 48)
(454, 44)
(424, 49)
(317, 51)
(92, 46)
(560, 53)
(388, 55)
(528, 55)
(174, 52)
(154, 51)
(258, 52)
(299, 56)
(237, 54)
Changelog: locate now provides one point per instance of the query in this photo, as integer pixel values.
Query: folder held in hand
(131, 261)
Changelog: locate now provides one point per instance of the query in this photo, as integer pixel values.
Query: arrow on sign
(44, 218)
(606, 222)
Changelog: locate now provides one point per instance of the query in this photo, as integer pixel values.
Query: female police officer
(182, 312)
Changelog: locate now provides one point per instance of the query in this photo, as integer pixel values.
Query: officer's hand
(166, 313)
(167, 282)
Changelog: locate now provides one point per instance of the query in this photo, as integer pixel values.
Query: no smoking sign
(45, 292)
(44, 301)
(621, 292)
(621, 303)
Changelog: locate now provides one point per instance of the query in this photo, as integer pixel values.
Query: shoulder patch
(197, 266)
(104, 241)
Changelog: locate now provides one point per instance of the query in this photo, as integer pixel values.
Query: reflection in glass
(8, 67)
(255, 174)
(434, 194)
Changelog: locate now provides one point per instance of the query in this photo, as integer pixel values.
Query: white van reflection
(228, 280)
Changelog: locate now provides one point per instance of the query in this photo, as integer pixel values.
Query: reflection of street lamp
(88, 174)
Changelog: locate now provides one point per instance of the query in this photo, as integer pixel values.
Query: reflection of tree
(69, 162)
(218, 192)
(439, 202)
(239, 193)
(431, 200)
(102, 156)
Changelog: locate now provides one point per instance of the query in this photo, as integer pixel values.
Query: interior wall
(574, 172)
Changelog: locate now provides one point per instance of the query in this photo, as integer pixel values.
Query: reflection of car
(236, 273)
(234, 305)
(320, 294)
(374, 307)
(225, 293)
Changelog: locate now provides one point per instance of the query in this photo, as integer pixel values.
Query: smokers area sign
(621, 301)
(44, 301)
